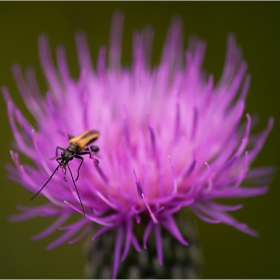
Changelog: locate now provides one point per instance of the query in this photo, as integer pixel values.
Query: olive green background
(228, 253)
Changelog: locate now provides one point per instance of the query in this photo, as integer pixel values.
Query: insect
(77, 146)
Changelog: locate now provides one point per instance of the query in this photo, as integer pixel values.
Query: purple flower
(169, 138)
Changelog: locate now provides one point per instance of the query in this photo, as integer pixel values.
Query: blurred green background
(227, 252)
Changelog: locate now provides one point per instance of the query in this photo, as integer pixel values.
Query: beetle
(77, 146)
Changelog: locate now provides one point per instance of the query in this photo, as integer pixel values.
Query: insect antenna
(44, 184)
(76, 188)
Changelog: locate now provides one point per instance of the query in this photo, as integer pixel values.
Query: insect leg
(64, 176)
(56, 151)
(58, 159)
(76, 189)
(82, 153)
(81, 158)
(44, 184)
(94, 149)
(63, 167)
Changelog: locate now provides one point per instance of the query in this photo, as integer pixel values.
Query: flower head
(169, 138)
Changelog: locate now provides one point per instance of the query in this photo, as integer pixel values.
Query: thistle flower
(169, 139)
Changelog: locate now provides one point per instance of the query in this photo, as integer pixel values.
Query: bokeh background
(227, 252)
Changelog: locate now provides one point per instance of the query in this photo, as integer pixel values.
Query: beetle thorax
(73, 147)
